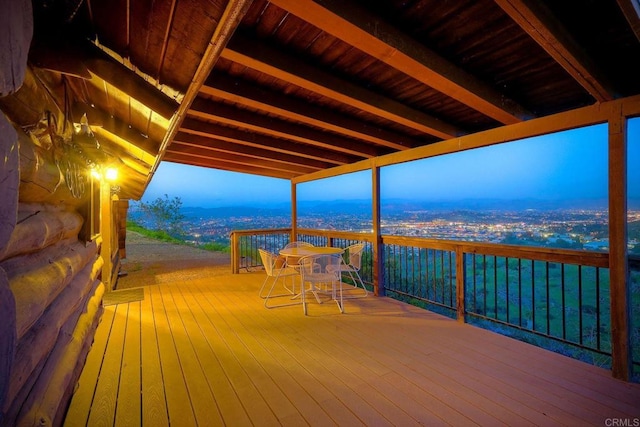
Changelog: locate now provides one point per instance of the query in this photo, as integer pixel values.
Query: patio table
(298, 252)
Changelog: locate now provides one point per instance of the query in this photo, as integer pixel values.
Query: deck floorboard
(205, 351)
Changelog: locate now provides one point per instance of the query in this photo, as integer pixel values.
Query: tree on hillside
(165, 214)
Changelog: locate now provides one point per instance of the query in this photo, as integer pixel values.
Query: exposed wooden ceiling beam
(236, 158)
(100, 118)
(266, 125)
(253, 96)
(124, 79)
(260, 153)
(232, 167)
(539, 23)
(260, 57)
(368, 33)
(250, 139)
(129, 160)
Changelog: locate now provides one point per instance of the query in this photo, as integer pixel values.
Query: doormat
(123, 296)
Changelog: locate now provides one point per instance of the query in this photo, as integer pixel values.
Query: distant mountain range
(230, 211)
(396, 206)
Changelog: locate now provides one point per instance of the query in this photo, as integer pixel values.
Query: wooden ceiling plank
(541, 26)
(244, 93)
(375, 37)
(262, 58)
(251, 139)
(230, 147)
(231, 17)
(224, 113)
(186, 160)
(198, 151)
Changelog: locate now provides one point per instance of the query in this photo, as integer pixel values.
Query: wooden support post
(294, 213)
(460, 291)
(106, 229)
(618, 256)
(235, 253)
(378, 255)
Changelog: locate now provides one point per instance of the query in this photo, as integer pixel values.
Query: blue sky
(567, 165)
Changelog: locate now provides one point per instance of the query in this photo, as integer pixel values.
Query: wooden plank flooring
(204, 351)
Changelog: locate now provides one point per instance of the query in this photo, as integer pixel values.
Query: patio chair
(276, 272)
(318, 271)
(351, 262)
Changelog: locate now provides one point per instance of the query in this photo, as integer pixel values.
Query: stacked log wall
(50, 273)
(50, 284)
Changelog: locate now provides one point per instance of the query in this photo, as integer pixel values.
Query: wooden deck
(204, 351)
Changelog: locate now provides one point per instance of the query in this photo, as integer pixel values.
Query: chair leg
(335, 296)
(356, 279)
(266, 279)
(361, 282)
(269, 294)
(303, 297)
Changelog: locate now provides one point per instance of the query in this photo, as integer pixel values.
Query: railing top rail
(567, 256)
(349, 235)
(260, 231)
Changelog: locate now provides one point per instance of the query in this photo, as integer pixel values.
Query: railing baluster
(475, 290)
(580, 303)
(506, 278)
(564, 305)
(434, 272)
(442, 274)
(520, 290)
(548, 298)
(451, 276)
(533, 295)
(484, 284)
(495, 286)
(598, 308)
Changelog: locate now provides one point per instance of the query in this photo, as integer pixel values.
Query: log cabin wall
(51, 284)
(51, 287)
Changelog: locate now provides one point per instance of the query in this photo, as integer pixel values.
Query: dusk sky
(568, 165)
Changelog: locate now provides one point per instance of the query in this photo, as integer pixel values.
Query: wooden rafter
(223, 146)
(241, 159)
(373, 36)
(126, 80)
(229, 115)
(115, 126)
(233, 167)
(272, 62)
(253, 96)
(542, 27)
(250, 139)
(115, 149)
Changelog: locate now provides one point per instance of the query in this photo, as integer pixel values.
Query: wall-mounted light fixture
(111, 173)
(85, 150)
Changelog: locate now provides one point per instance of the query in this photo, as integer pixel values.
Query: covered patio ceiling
(284, 88)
